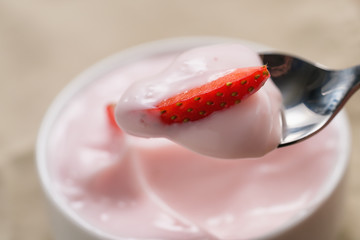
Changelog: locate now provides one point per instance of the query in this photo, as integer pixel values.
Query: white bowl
(319, 223)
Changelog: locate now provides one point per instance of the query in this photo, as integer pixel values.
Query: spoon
(312, 95)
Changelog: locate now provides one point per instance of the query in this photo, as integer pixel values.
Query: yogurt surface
(138, 188)
(249, 129)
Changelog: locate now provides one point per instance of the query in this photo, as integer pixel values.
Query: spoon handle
(349, 80)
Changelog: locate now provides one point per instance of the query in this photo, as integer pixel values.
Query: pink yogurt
(250, 129)
(128, 187)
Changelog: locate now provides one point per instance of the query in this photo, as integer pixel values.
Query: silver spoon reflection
(312, 96)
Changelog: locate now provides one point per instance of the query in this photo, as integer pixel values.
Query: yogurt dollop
(249, 129)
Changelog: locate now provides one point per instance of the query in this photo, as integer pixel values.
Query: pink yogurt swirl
(249, 129)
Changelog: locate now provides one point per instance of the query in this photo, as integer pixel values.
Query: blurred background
(44, 44)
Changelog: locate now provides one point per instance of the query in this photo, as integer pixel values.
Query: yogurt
(249, 129)
(127, 187)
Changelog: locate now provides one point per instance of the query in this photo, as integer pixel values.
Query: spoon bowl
(312, 95)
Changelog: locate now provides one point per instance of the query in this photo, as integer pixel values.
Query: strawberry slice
(222, 93)
(111, 115)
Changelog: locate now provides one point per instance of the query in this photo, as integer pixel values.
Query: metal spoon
(312, 96)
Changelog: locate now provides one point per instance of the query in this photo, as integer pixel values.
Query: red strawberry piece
(224, 92)
(111, 115)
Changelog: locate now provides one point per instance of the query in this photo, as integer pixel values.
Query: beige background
(46, 43)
